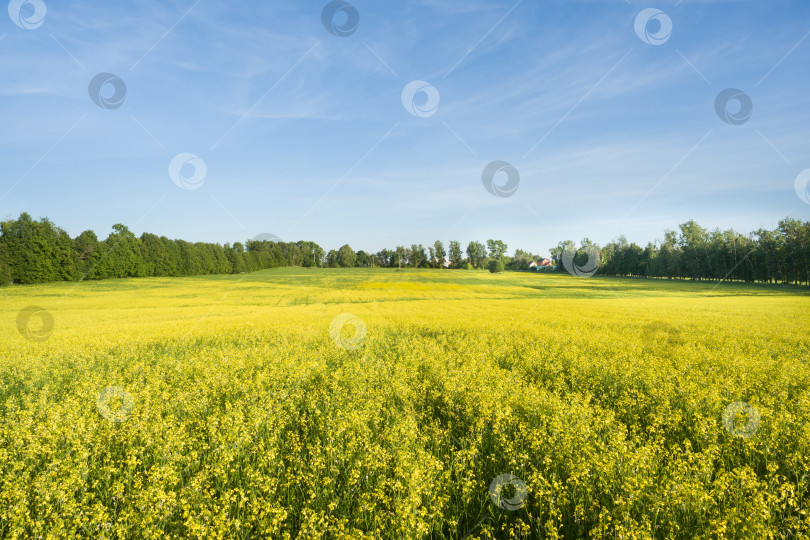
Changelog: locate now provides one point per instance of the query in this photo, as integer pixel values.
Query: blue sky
(304, 134)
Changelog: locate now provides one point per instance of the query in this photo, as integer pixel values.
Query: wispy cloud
(612, 123)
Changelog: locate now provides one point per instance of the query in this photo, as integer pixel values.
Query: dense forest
(37, 251)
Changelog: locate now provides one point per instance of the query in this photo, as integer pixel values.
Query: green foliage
(495, 266)
(476, 254)
(88, 253)
(363, 259)
(5, 264)
(346, 257)
(521, 260)
(417, 256)
(39, 252)
(496, 248)
(331, 259)
(401, 256)
(236, 258)
(439, 254)
(778, 256)
(455, 254)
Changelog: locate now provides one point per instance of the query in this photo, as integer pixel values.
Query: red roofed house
(541, 264)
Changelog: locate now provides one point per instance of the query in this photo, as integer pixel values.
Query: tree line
(781, 255)
(37, 251)
(34, 251)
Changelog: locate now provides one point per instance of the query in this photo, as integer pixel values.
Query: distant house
(541, 264)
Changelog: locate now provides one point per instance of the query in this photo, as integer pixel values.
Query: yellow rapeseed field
(311, 403)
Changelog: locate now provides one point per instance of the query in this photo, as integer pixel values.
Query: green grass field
(239, 407)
